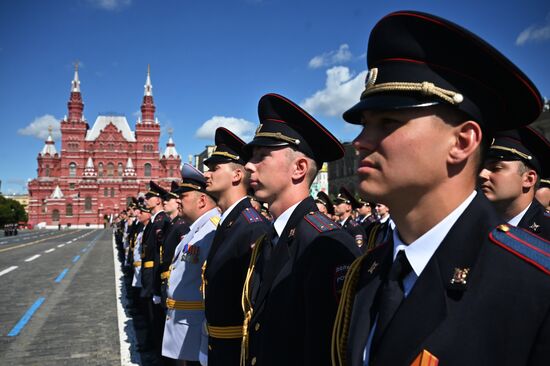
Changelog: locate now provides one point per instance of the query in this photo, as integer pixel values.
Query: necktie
(391, 297)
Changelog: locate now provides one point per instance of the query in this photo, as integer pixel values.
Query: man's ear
(301, 167)
(529, 179)
(467, 139)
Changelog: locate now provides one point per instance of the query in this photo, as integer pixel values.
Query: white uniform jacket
(182, 330)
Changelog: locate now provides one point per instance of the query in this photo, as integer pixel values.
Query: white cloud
(330, 58)
(39, 127)
(110, 4)
(535, 33)
(342, 91)
(240, 127)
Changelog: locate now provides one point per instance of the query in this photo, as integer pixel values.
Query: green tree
(11, 211)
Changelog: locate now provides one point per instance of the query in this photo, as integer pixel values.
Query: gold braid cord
(426, 88)
(202, 288)
(340, 330)
(512, 150)
(246, 302)
(371, 242)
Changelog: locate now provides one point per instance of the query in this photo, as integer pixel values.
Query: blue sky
(211, 61)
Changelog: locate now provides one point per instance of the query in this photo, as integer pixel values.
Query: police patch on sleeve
(339, 277)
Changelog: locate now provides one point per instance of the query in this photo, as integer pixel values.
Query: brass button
(257, 327)
(253, 362)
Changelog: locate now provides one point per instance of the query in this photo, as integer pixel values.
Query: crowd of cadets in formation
(457, 274)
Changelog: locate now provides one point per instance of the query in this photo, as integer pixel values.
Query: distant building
(198, 160)
(23, 199)
(343, 172)
(321, 182)
(98, 170)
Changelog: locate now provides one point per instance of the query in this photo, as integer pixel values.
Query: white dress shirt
(516, 219)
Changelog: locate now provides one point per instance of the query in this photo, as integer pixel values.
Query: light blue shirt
(419, 253)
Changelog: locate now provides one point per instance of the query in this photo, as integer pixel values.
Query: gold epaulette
(148, 264)
(215, 220)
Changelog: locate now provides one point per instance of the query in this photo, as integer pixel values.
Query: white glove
(156, 299)
(203, 359)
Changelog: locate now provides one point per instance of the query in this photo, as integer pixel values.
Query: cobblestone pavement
(68, 278)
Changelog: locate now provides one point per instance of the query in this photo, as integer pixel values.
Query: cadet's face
(270, 172)
(402, 154)
(381, 209)
(189, 205)
(341, 208)
(171, 205)
(364, 210)
(219, 178)
(322, 208)
(501, 180)
(543, 196)
(144, 217)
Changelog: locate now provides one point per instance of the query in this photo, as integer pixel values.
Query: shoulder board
(321, 222)
(546, 214)
(353, 223)
(251, 215)
(524, 244)
(215, 220)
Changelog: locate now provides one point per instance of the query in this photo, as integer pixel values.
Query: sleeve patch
(339, 278)
(321, 222)
(251, 215)
(524, 244)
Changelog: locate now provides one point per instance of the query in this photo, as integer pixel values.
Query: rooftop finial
(76, 83)
(170, 131)
(148, 86)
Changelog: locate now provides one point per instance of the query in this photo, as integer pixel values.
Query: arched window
(110, 169)
(55, 215)
(100, 169)
(147, 168)
(47, 170)
(106, 192)
(120, 169)
(69, 209)
(112, 192)
(171, 172)
(72, 170)
(88, 203)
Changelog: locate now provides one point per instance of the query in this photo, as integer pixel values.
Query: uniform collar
(516, 219)
(198, 223)
(228, 211)
(281, 221)
(155, 215)
(422, 249)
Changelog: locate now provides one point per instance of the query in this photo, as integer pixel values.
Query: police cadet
(324, 204)
(142, 313)
(150, 261)
(296, 271)
(343, 206)
(183, 334)
(366, 216)
(173, 233)
(514, 166)
(452, 285)
(228, 260)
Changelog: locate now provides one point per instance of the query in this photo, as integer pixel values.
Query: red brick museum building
(96, 171)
